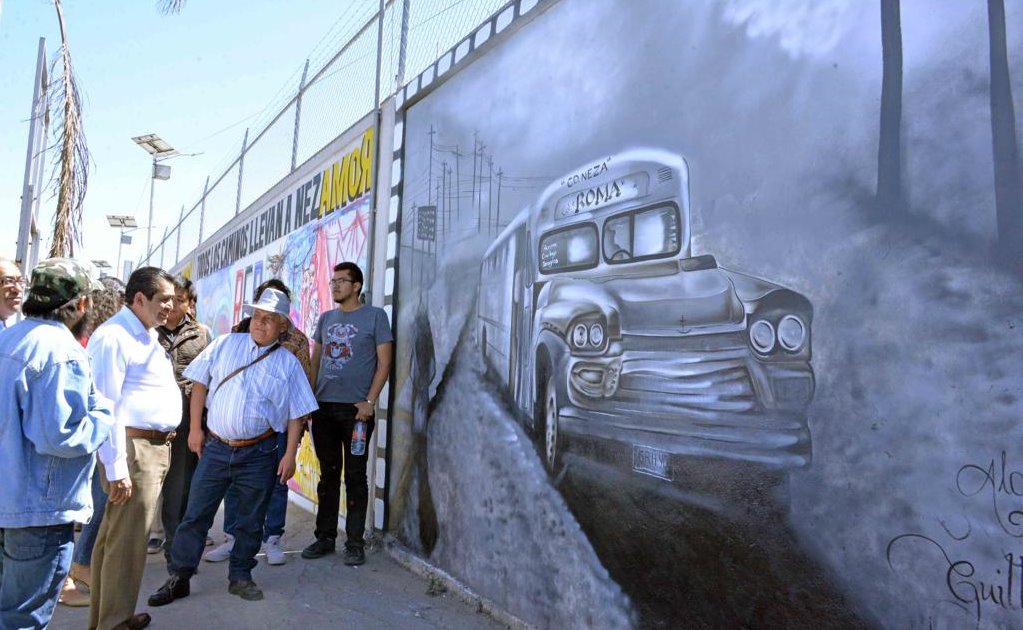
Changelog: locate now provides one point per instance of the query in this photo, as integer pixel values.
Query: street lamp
(160, 150)
(122, 221)
(101, 265)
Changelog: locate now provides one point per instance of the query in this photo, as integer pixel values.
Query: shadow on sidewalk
(321, 593)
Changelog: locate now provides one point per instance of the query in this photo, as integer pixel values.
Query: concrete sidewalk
(322, 593)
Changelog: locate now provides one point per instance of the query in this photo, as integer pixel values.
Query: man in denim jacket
(51, 421)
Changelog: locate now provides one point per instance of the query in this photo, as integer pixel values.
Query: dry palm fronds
(170, 6)
(73, 162)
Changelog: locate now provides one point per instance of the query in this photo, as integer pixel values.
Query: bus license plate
(650, 461)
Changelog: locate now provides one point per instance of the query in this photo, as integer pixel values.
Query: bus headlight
(761, 335)
(791, 333)
(596, 335)
(579, 336)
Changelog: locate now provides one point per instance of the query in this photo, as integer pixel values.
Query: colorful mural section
(724, 332)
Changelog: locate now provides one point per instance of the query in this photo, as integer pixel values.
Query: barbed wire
(346, 50)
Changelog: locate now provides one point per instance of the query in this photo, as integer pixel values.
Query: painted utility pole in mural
(1008, 193)
(890, 197)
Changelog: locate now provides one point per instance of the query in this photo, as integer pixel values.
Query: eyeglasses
(10, 281)
(336, 282)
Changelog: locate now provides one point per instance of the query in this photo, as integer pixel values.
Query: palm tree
(73, 164)
(1008, 197)
(889, 151)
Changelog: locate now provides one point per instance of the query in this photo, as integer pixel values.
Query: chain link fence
(329, 93)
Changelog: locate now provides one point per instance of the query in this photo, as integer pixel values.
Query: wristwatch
(372, 403)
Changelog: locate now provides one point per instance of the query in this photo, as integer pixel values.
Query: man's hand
(364, 410)
(120, 491)
(195, 441)
(286, 469)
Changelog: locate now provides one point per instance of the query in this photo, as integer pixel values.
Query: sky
(197, 79)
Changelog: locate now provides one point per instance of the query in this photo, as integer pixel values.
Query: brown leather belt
(241, 443)
(150, 434)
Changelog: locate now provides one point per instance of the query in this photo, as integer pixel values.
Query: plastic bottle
(359, 438)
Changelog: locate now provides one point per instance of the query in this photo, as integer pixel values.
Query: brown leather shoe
(138, 621)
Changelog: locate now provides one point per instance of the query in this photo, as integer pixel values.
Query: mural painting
(298, 237)
(718, 326)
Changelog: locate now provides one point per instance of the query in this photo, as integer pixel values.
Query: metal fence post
(402, 46)
(202, 208)
(298, 115)
(163, 246)
(241, 167)
(177, 247)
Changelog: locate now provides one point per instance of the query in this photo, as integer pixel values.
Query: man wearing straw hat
(251, 391)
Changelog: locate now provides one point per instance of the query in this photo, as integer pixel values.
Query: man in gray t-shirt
(352, 354)
(348, 359)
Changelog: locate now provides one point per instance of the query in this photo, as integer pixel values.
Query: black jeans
(332, 440)
(177, 484)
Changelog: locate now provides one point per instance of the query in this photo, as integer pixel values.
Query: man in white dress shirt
(135, 372)
(252, 389)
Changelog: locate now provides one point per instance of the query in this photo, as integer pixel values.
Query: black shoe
(354, 556)
(155, 545)
(246, 589)
(318, 549)
(174, 588)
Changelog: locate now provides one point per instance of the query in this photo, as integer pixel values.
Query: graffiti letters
(977, 585)
(971, 590)
(584, 175)
(340, 183)
(999, 483)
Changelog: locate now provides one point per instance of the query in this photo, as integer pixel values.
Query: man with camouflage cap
(51, 421)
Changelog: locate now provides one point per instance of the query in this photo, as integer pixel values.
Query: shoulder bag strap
(243, 368)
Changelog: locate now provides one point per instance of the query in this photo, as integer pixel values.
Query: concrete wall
(803, 405)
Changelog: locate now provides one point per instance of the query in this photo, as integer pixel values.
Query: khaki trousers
(119, 557)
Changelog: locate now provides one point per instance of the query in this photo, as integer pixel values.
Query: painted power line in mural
(454, 199)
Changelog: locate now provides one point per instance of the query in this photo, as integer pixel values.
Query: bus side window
(529, 266)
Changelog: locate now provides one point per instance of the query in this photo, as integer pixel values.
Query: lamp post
(101, 265)
(122, 221)
(155, 146)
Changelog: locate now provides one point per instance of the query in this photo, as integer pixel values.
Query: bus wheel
(551, 454)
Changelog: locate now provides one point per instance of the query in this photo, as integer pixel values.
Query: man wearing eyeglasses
(352, 351)
(12, 291)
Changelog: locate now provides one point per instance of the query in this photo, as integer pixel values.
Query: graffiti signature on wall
(976, 586)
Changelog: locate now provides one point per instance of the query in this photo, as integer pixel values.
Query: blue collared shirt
(51, 420)
(263, 396)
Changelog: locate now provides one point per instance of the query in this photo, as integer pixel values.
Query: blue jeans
(275, 511)
(34, 562)
(250, 471)
(83, 548)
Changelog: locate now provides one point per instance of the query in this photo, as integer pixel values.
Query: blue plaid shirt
(263, 396)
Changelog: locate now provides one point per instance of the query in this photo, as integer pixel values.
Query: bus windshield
(571, 248)
(642, 234)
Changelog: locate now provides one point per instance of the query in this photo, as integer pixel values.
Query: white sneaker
(221, 552)
(274, 553)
